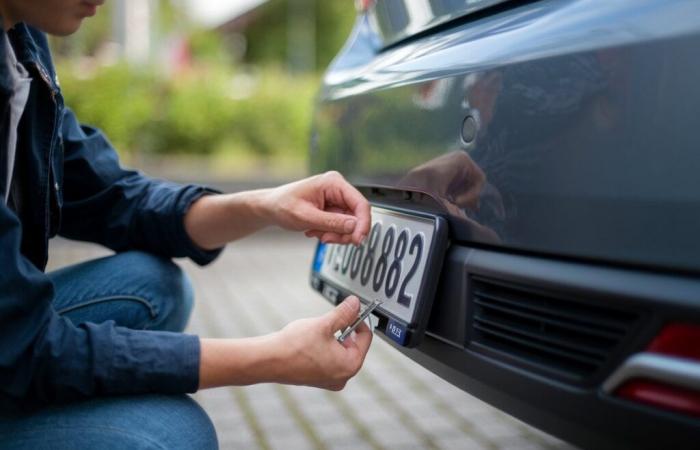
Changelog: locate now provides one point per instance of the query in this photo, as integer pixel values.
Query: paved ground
(260, 284)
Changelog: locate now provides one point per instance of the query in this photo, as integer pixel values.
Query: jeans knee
(145, 422)
(169, 290)
(184, 303)
(177, 298)
(189, 426)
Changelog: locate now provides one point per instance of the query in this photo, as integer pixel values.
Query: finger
(336, 387)
(335, 238)
(352, 341)
(313, 234)
(363, 339)
(344, 195)
(360, 207)
(344, 314)
(321, 220)
(363, 327)
(337, 209)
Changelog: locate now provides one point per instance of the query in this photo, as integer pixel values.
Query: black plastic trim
(580, 413)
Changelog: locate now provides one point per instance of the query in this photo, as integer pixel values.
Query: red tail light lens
(678, 339)
(675, 340)
(661, 395)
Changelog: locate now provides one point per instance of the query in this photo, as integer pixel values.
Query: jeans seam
(151, 308)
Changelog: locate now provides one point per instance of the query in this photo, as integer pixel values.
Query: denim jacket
(71, 184)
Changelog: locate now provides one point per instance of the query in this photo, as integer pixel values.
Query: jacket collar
(31, 48)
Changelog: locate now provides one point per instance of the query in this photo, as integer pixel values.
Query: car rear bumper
(574, 404)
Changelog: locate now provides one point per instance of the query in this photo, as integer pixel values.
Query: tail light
(662, 396)
(678, 339)
(669, 375)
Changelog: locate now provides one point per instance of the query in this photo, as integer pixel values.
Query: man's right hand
(314, 356)
(305, 352)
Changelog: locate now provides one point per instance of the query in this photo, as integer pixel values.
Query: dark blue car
(534, 168)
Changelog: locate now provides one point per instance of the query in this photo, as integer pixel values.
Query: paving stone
(233, 439)
(283, 441)
(459, 443)
(394, 434)
(338, 429)
(351, 442)
(434, 422)
(360, 397)
(469, 408)
(394, 428)
(517, 443)
(280, 422)
(320, 413)
(369, 410)
(489, 425)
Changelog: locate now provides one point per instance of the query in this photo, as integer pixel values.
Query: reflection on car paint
(579, 149)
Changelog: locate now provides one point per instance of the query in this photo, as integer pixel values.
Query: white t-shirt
(18, 101)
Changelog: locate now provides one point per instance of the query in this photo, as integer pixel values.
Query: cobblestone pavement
(261, 283)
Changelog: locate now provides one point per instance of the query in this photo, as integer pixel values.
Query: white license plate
(390, 265)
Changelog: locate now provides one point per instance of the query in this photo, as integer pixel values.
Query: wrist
(261, 206)
(265, 362)
(240, 362)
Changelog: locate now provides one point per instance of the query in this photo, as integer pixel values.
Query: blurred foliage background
(191, 100)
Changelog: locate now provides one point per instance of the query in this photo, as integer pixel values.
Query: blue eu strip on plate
(320, 254)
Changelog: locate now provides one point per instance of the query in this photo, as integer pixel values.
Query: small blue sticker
(396, 331)
(320, 254)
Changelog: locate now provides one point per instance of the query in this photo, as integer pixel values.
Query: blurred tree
(101, 29)
(268, 33)
(207, 46)
(190, 98)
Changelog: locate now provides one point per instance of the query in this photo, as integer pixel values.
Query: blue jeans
(136, 290)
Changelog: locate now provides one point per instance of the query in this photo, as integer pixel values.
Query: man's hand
(323, 206)
(315, 357)
(305, 352)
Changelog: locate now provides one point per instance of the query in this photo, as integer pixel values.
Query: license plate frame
(403, 327)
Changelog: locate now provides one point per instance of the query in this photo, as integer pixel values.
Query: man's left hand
(325, 206)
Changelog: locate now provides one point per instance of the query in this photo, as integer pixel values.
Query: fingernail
(349, 225)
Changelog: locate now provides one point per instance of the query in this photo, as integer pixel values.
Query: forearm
(305, 352)
(238, 362)
(214, 220)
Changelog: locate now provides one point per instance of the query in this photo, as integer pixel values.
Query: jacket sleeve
(122, 209)
(45, 358)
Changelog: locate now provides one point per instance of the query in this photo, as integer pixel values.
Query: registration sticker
(396, 331)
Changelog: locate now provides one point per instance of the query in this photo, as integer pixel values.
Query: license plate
(398, 263)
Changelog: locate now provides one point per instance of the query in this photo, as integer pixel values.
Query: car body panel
(583, 127)
(394, 20)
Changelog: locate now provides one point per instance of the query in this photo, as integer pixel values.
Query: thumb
(318, 219)
(344, 314)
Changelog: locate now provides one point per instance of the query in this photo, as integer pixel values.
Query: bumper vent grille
(570, 339)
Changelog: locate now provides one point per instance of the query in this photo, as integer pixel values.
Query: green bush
(266, 114)
(116, 99)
